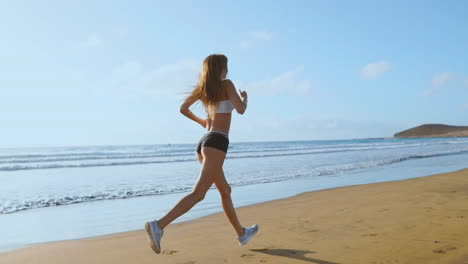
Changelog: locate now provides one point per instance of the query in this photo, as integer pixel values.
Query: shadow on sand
(291, 253)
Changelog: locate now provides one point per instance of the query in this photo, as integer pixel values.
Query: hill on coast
(433, 130)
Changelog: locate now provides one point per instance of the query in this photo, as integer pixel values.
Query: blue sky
(113, 72)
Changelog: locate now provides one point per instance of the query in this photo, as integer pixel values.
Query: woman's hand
(206, 123)
(203, 123)
(243, 95)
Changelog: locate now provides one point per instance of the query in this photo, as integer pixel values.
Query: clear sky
(113, 72)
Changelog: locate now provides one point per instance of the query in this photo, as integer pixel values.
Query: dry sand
(422, 220)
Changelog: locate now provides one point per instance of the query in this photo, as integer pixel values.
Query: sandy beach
(420, 220)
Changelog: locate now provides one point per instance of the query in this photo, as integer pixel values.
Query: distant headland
(433, 130)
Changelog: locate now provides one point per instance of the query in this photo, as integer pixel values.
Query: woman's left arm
(184, 109)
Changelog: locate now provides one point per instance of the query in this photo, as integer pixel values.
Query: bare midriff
(221, 122)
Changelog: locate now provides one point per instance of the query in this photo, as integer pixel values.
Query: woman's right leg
(213, 160)
(225, 192)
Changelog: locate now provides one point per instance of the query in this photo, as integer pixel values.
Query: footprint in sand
(386, 261)
(310, 231)
(443, 250)
(169, 252)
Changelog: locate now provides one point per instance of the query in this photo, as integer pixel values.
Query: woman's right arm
(239, 102)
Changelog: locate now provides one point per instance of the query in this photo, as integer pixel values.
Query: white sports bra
(224, 106)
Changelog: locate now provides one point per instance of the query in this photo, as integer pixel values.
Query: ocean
(59, 193)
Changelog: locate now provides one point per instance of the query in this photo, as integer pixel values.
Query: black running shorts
(215, 140)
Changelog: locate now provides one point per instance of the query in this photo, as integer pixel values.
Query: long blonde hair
(208, 89)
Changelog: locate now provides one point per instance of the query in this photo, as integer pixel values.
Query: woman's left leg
(213, 160)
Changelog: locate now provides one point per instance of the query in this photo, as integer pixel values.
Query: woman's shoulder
(227, 83)
(226, 86)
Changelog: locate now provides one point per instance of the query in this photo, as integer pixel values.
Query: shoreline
(418, 220)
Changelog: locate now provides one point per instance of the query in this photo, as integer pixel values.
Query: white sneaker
(249, 232)
(154, 234)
